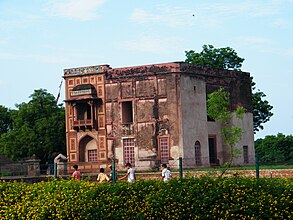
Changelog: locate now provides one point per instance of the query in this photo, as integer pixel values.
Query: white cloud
(170, 16)
(280, 22)
(20, 20)
(265, 45)
(37, 57)
(74, 9)
(152, 44)
(253, 40)
(244, 8)
(209, 14)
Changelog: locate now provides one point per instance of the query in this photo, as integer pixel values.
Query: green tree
(262, 110)
(5, 120)
(275, 149)
(227, 58)
(218, 109)
(38, 128)
(222, 58)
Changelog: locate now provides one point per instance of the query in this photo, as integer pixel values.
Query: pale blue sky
(38, 39)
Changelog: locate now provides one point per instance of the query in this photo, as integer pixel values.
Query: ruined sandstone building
(152, 114)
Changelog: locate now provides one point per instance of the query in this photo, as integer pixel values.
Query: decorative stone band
(86, 70)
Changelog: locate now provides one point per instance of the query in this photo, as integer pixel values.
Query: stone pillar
(33, 166)
(61, 162)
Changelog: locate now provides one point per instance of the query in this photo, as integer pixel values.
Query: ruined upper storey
(236, 82)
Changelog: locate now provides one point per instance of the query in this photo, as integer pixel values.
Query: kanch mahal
(152, 114)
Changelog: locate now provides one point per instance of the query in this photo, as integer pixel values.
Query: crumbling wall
(127, 90)
(144, 136)
(145, 88)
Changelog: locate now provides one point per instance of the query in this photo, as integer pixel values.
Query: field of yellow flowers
(191, 198)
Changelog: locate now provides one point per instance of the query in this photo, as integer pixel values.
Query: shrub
(191, 198)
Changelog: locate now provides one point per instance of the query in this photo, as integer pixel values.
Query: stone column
(33, 166)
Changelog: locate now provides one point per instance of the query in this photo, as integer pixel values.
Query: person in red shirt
(76, 173)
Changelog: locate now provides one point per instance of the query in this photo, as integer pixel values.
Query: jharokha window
(84, 104)
(83, 111)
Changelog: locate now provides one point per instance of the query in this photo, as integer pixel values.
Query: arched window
(197, 150)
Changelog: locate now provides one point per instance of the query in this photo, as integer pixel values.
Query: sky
(40, 38)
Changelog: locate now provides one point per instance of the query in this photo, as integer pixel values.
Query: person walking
(166, 173)
(130, 175)
(102, 177)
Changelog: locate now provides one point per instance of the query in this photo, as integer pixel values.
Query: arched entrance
(88, 150)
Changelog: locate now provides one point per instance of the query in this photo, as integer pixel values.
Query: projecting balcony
(87, 124)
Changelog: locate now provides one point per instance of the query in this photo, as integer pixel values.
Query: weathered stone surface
(146, 103)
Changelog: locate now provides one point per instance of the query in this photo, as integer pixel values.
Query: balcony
(84, 124)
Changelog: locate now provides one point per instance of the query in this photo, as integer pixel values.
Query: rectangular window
(212, 150)
(127, 113)
(92, 155)
(245, 154)
(128, 151)
(197, 150)
(164, 149)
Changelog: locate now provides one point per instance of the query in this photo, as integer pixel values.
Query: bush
(191, 198)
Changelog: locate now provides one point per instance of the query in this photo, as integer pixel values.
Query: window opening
(197, 150)
(245, 154)
(128, 150)
(212, 150)
(83, 111)
(92, 155)
(164, 149)
(127, 113)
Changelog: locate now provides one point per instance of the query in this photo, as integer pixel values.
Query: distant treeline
(275, 149)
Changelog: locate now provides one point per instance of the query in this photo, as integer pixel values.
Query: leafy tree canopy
(38, 128)
(227, 58)
(275, 149)
(5, 119)
(262, 110)
(222, 58)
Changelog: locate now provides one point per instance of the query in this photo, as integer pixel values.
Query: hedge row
(191, 198)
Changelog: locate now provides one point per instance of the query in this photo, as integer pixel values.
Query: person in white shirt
(130, 175)
(166, 173)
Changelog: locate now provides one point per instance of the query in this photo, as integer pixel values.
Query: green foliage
(218, 104)
(221, 58)
(5, 119)
(218, 109)
(232, 135)
(191, 198)
(227, 58)
(38, 128)
(262, 110)
(275, 149)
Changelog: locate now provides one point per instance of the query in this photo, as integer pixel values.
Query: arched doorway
(88, 150)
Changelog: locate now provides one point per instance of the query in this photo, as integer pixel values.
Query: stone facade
(152, 114)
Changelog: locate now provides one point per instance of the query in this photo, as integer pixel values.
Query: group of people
(130, 175)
